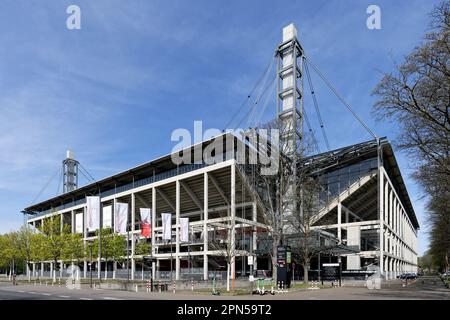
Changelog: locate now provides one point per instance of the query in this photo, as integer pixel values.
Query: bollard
(192, 284)
(59, 282)
(136, 288)
(174, 287)
(282, 286)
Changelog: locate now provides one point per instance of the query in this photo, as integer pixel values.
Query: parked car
(408, 276)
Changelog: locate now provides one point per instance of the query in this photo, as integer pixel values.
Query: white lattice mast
(70, 172)
(290, 115)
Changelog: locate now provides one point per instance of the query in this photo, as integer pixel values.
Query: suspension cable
(250, 111)
(333, 89)
(246, 100)
(59, 182)
(319, 117)
(311, 131)
(87, 172)
(266, 102)
(45, 186)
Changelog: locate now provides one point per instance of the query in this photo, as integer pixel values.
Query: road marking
(86, 299)
(45, 294)
(64, 296)
(109, 298)
(32, 292)
(21, 291)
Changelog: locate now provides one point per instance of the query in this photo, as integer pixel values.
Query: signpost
(284, 268)
(331, 272)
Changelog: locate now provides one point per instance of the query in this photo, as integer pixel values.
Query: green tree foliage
(73, 248)
(112, 246)
(143, 248)
(38, 248)
(55, 238)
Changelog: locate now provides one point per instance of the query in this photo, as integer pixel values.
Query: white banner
(79, 223)
(107, 217)
(184, 229)
(145, 215)
(120, 217)
(167, 226)
(93, 213)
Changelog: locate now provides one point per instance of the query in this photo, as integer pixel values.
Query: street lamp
(128, 254)
(90, 264)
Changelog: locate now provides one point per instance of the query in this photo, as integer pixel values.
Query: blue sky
(115, 90)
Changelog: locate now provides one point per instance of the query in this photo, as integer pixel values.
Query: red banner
(145, 230)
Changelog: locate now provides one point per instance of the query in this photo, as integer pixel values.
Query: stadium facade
(365, 208)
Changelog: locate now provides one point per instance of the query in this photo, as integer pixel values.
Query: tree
(225, 243)
(288, 195)
(113, 247)
(73, 249)
(38, 252)
(55, 239)
(118, 248)
(426, 262)
(142, 249)
(306, 242)
(10, 251)
(416, 97)
(25, 238)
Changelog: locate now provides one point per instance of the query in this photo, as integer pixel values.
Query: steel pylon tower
(70, 173)
(289, 117)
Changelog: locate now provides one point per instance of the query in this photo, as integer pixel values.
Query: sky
(114, 90)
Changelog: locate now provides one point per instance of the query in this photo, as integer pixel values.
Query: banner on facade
(107, 217)
(79, 223)
(145, 215)
(93, 213)
(120, 217)
(184, 229)
(145, 222)
(167, 226)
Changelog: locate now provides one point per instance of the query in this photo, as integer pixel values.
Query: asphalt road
(429, 287)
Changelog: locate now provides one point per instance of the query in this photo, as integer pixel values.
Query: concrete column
(133, 228)
(72, 221)
(339, 221)
(62, 222)
(392, 267)
(381, 215)
(177, 230)
(254, 239)
(85, 269)
(42, 269)
(99, 260)
(205, 226)
(51, 270)
(386, 203)
(34, 269)
(233, 221)
(391, 207)
(153, 231)
(133, 266)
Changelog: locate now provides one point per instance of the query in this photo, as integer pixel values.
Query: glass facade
(336, 181)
